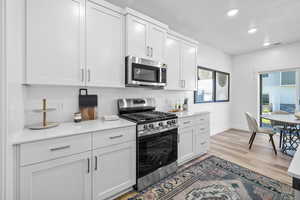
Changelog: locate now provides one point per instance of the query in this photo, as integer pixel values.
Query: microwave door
(145, 74)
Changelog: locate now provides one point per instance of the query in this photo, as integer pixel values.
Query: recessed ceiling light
(232, 12)
(267, 44)
(252, 30)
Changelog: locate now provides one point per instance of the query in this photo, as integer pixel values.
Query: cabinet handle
(178, 139)
(187, 122)
(203, 143)
(60, 148)
(89, 75)
(96, 163)
(115, 137)
(147, 51)
(182, 83)
(82, 75)
(88, 167)
(151, 52)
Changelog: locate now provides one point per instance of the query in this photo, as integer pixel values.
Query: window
(205, 86)
(288, 78)
(265, 99)
(212, 86)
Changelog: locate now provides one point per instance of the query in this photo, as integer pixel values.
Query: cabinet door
(137, 37)
(173, 51)
(186, 149)
(157, 41)
(188, 66)
(55, 36)
(105, 49)
(67, 178)
(114, 170)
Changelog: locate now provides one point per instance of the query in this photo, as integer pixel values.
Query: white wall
(245, 77)
(65, 99)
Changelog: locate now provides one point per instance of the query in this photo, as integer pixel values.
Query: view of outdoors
(278, 93)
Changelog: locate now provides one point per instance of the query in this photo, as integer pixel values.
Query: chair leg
(271, 138)
(280, 139)
(251, 138)
(254, 134)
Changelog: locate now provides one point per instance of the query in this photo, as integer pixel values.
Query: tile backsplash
(65, 100)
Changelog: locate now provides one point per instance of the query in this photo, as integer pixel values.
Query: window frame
(227, 74)
(213, 82)
(214, 79)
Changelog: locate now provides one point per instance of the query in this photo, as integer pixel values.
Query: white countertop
(189, 113)
(294, 168)
(68, 129)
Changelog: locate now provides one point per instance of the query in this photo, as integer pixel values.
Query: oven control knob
(151, 126)
(145, 126)
(169, 122)
(160, 124)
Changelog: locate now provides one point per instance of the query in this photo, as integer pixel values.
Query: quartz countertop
(189, 113)
(68, 129)
(294, 168)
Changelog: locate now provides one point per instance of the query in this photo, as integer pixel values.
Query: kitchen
(134, 65)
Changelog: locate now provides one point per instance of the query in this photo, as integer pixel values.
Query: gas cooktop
(149, 116)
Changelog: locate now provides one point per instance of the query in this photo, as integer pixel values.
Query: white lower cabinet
(67, 178)
(193, 136)
(186, 148)
(114, 170)
(102, 170)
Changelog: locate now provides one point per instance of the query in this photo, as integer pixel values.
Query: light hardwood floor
(232, 145)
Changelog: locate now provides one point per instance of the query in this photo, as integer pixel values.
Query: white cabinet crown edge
(145, 17)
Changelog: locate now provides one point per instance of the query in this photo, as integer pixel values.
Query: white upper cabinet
(137, 37)
(173, 61)
(188, 65)
(54, 31)
(145, 37)
(181, 58)
(157, 39)
(104, 47)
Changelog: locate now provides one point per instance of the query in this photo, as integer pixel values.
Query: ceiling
(207, 22)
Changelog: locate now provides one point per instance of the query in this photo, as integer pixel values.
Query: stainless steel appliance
(157, 137)
(144, 72)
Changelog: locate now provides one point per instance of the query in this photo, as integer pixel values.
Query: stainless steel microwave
(141, 72)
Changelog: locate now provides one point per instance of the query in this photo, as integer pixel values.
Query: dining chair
(279, 126)
(255, 129)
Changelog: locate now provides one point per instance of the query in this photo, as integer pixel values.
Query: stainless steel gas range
(157, 134)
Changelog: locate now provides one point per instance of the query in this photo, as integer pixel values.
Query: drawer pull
(60, 148)
(202, 129)
(202, 119)
(115, 137)
(88, 165)
(203, 143)
(187, 122)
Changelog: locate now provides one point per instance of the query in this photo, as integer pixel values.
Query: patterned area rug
(217, 179)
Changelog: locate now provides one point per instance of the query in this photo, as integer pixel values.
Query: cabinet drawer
(114, 136)
(50, 149)
(185, 122)
(201, 119)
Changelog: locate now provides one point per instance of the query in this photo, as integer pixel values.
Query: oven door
(155, 151)
(143, 72)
